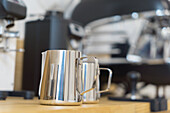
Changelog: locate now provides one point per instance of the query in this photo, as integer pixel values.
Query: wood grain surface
(18, 105)
(19, 66)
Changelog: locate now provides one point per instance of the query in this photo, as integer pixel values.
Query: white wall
(7, 67)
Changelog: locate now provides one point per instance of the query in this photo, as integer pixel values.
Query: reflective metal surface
(153, 43)
(61, 81)
(165, 33)
(146, 44)
(89, 28)
(43, 57)
(89, 72)
(6, 34)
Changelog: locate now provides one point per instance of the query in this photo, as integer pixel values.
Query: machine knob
(133, 77)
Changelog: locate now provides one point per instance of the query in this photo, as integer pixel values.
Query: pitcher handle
(94, 82)
(93, 86)
(109, 80)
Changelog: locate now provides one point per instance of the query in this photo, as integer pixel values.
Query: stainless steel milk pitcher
(90, 70)
(62, 81)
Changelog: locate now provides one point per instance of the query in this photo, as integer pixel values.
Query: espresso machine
(131, 62)
(10, 11)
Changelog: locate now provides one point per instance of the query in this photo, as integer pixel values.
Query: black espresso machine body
(52, 32)
(41, 35)
(12, 9)
(151, 74)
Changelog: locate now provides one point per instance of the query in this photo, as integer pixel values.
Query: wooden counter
(18, 105)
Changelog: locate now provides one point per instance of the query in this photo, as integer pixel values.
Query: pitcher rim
(60, 51)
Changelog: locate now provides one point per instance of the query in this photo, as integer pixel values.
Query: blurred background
(131, 37)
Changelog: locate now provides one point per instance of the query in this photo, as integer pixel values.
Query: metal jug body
(90, 73)
(58, 85)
